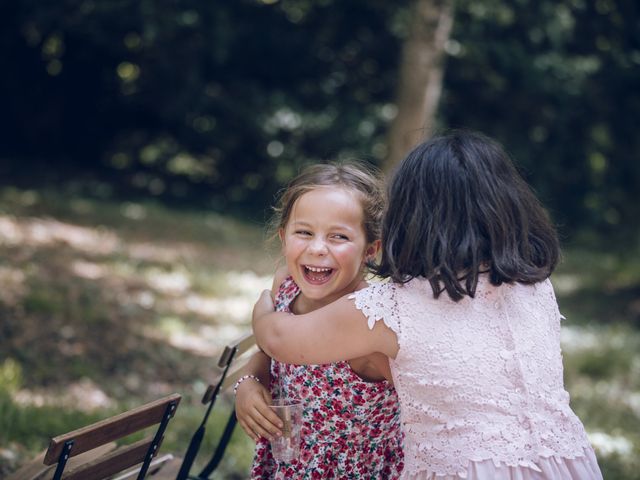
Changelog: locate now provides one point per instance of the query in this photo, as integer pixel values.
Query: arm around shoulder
(338, 331)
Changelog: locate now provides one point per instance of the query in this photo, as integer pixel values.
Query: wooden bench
(91, 453)
(233, 359)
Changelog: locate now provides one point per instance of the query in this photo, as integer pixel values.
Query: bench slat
(113, 428)
(36, 470)
(243, 344)
(239, 363)
(165, 467)
(114, 462)
(233, 376)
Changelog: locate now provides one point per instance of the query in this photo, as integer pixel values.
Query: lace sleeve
(378, 302)
(548, 285)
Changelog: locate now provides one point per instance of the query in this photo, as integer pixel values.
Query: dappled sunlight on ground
(236, 309)
(88, 270)
(170, 283)
(229, 316)
(84, 395)
(106, 305)
(172, 252)
(82, 294)
(47, 231)
(202, 341)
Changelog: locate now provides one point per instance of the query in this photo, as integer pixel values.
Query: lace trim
(377, 302)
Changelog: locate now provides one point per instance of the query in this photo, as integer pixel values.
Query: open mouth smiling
(317, 275)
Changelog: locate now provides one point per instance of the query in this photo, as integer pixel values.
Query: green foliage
(215, 100)
(616, 467)
(218, 103)
(603, 364)
(10, 375)
(601, 373)
(39, 302)
(555, 82)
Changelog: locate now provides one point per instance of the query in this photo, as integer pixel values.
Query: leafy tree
(218, 103)
(200, 100)
(420, 76)
(555, 82)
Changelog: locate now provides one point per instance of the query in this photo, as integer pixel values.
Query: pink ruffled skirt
(551, 468)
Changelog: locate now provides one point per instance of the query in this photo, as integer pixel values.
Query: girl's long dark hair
(457, 208)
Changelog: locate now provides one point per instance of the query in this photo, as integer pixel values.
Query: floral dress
(351, 428)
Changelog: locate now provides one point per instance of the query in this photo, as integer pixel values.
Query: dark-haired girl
(469, 321)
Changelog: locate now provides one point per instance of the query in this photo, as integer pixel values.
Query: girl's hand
(253, 411)
(264, 305)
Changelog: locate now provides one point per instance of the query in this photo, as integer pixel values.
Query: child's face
(325, 245)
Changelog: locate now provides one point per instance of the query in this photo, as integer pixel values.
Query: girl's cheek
(349, 252)
(293, 245)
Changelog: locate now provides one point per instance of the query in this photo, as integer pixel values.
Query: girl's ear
(372, 250)
(281, 235)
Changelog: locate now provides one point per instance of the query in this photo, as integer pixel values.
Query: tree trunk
(420, 77)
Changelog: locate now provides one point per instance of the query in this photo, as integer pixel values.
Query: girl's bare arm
(253, 399)
(332, 333)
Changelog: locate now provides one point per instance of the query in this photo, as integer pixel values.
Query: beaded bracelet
(242, 379)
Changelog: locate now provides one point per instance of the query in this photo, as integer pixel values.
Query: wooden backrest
(235, 355)
(106, 431)
(37, 470)
(110, 464)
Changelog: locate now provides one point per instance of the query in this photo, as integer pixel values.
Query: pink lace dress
(480, 383)
(351, 427)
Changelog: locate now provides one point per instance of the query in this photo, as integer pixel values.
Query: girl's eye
(303, 232)
(340, 236)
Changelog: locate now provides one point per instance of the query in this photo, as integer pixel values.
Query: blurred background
(142, 144)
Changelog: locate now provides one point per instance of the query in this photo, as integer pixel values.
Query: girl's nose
(318, 246)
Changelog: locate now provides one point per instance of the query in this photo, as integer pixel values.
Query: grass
(598, 292)
(107, 305)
